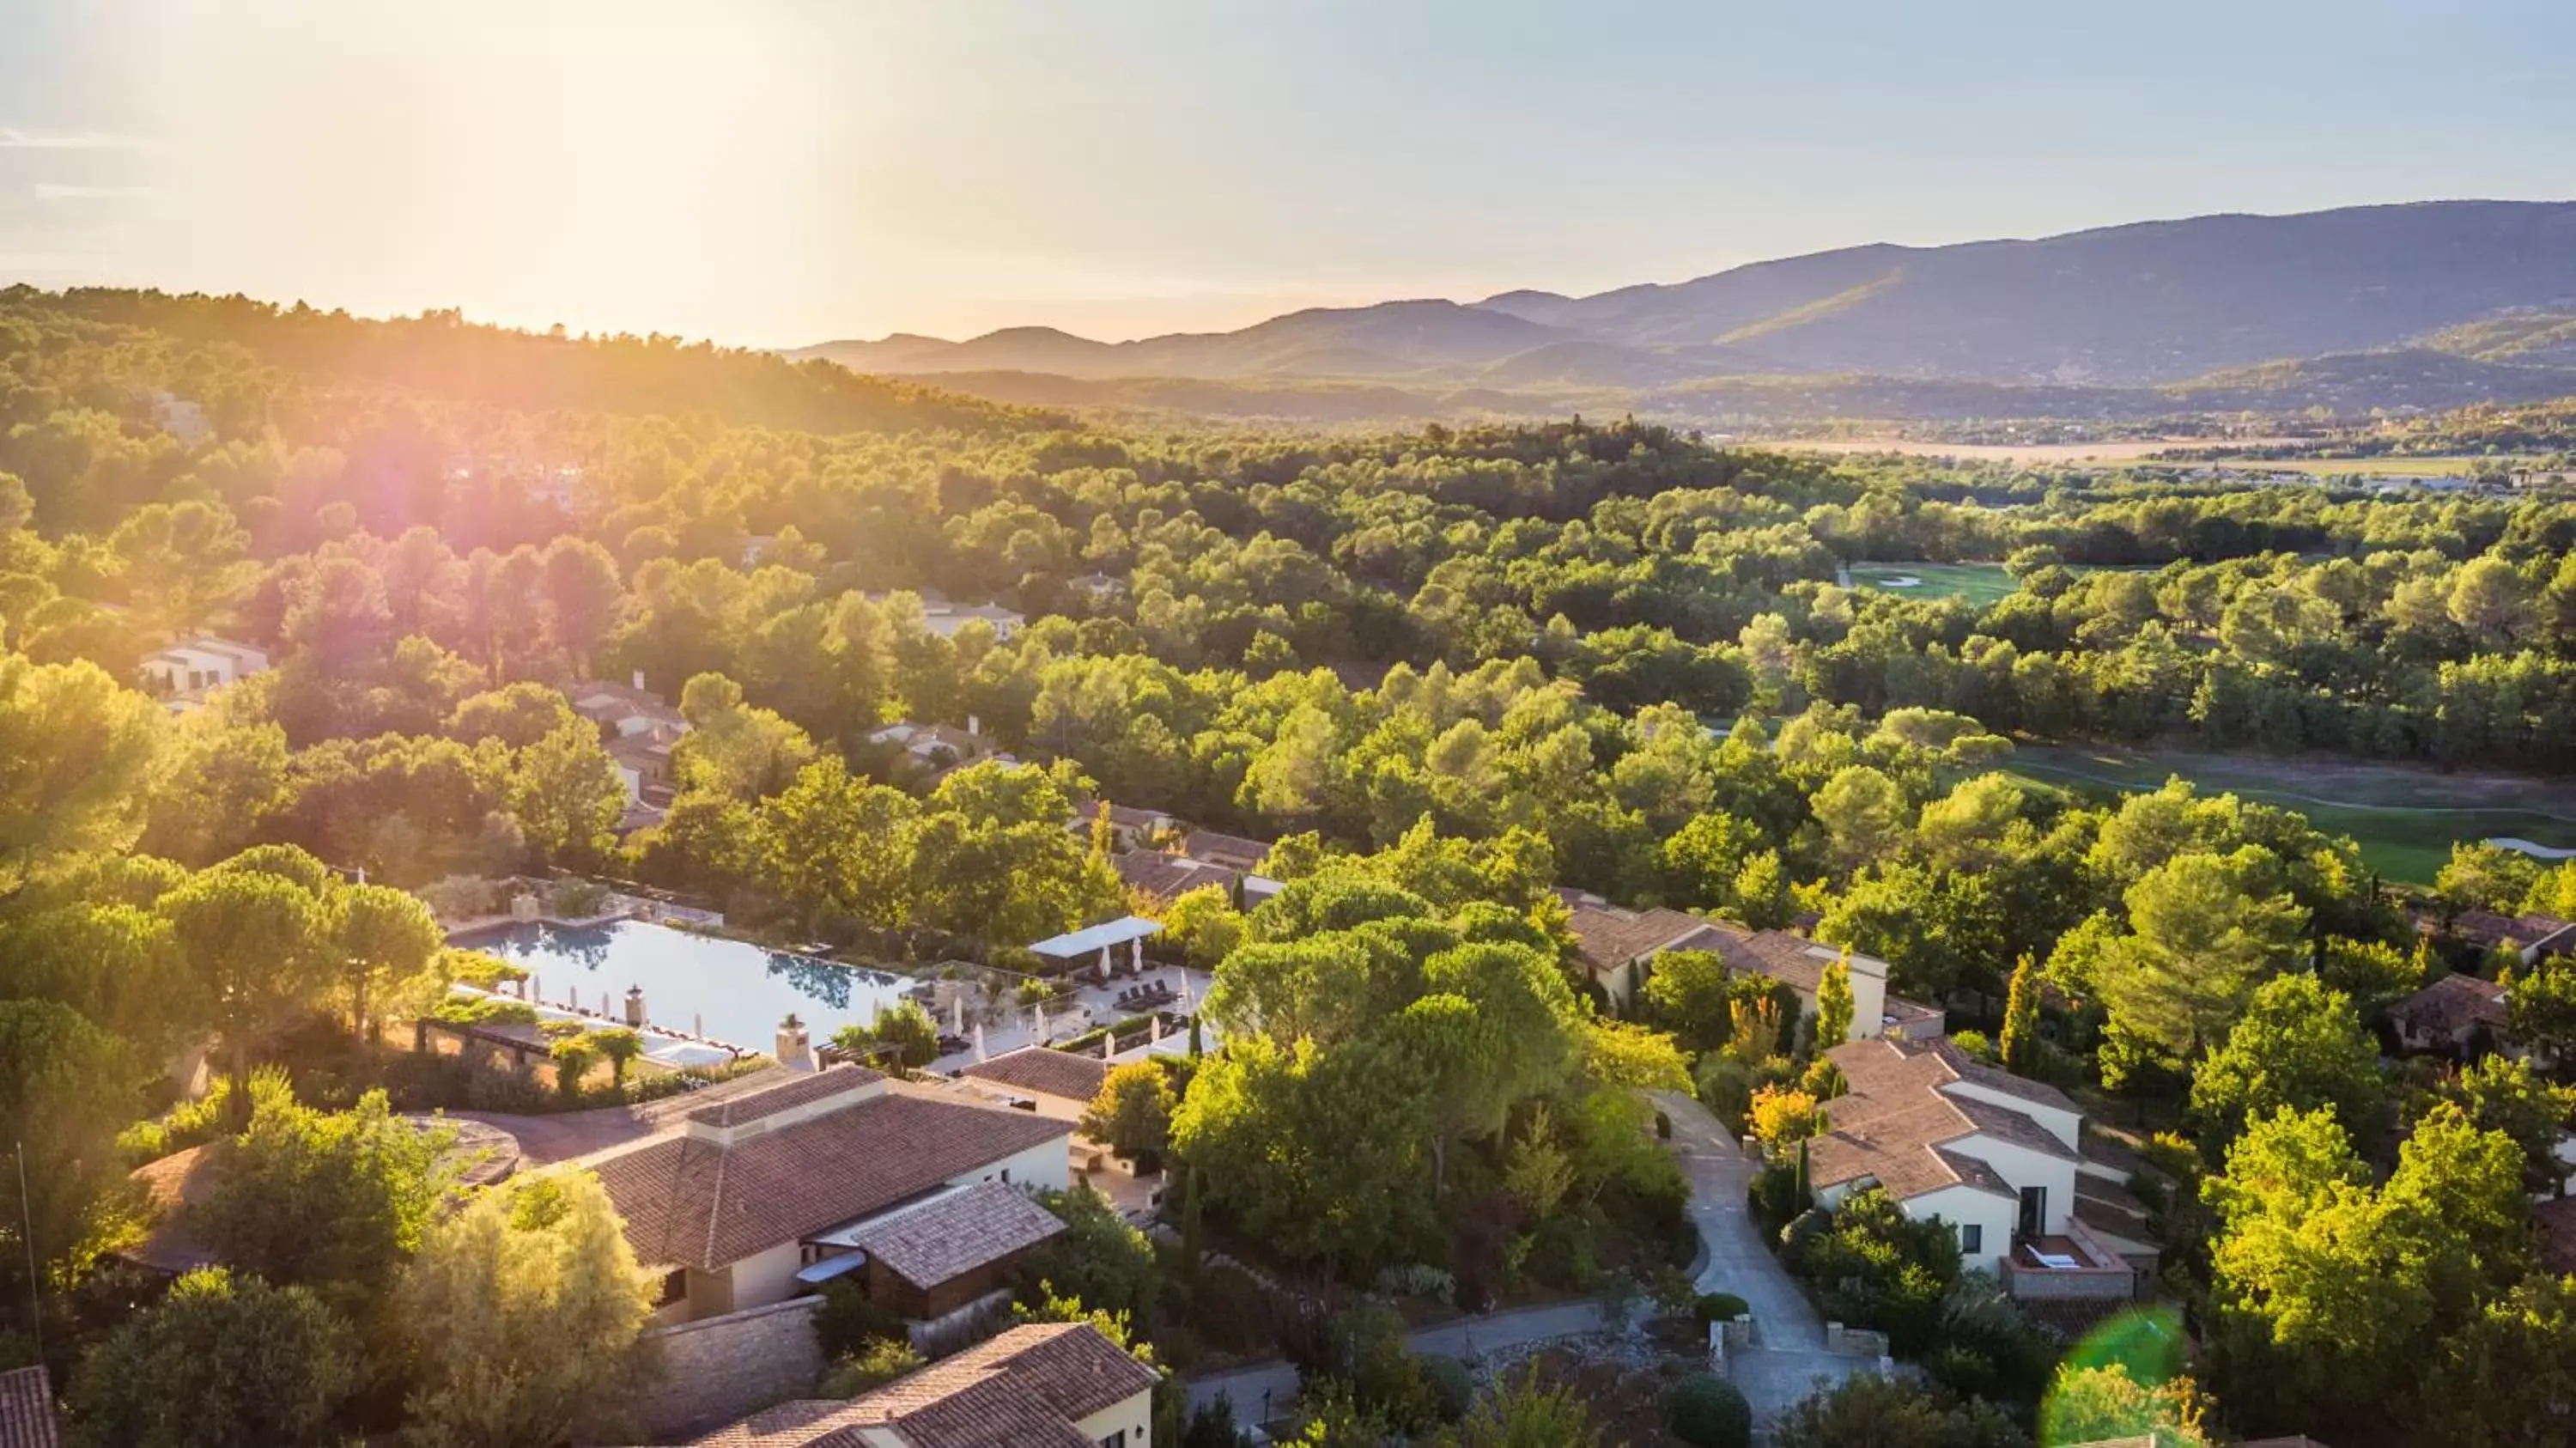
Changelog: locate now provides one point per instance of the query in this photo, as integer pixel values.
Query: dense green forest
(1447, 670)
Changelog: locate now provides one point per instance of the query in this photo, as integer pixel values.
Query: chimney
(795, 1047)
(635, 1006)
(639, 681)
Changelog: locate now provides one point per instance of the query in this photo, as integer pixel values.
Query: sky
(779, 172)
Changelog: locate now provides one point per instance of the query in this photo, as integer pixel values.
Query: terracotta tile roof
(1791, 958)
(786, 1095)
(689, 1200)
(2452, 1004)
(1024, 1389)
(1609, 936)
(27, 1410)
(1044, 1070)
(1234, 851)
(1896, 1122)
(1168, 877)
(639, 749)
(955, 1233)
(602, 699)
(1129, 817)
(1997, 1079)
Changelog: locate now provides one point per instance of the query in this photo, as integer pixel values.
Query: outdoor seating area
(1146, 997)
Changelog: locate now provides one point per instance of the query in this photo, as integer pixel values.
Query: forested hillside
(1446, 671)
(2432, 305)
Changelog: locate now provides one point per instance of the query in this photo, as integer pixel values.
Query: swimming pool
(740, 991)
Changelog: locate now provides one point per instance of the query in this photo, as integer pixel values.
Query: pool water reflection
(739, 990)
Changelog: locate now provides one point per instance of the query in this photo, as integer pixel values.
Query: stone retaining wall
(707, 1373)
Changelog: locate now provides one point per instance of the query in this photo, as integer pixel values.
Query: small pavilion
(1096, 945)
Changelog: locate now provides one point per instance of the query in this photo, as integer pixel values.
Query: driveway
(1792, 1356)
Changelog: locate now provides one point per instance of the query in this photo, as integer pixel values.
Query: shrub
(1719, 1307)
(1974, 1043)
(1799, 1238)
(1417, 1280)
(1706, 1411)
(848, 1322)
(876, 1363)
(1452, 1384)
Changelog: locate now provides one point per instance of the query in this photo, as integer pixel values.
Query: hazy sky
(777, 171)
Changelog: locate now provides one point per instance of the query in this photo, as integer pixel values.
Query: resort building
(1055, 1084)
(1044, 1385)
(2001, 1158)
(627, 710)
(2458, 1015)
(1619, 947)
(182, 675)
(1235, 852)
(763, 1196)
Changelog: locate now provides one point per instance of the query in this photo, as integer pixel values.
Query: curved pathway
(1782, 1370)
(1791, 1356)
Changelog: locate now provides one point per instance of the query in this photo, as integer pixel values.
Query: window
(1006, 1173)
(1115, 1440)
(1972, 1238)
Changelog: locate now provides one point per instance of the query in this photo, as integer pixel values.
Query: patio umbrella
(957, 1014)
(1154, 1028)
(979, 1040)
(1041, 1027)
(1109, 1045)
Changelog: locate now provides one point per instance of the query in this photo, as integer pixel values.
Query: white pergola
(1096, 942)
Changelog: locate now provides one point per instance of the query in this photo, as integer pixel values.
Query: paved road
(1792, 1356)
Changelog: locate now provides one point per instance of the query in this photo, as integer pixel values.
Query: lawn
(2404, 818)
(1978, 583)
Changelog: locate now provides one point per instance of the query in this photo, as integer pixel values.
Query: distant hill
(2424, 305)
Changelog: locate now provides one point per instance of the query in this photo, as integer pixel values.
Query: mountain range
(2430, 304)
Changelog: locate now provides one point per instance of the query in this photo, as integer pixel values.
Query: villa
(765, 1195)
(938, 748)
(184, 673)
(2458, 1015)
(2001, 1158)
(627, 710)
(1043, 1385)
(1619, 947)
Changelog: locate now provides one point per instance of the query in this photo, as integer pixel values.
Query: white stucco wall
(1135, 1414)
(1048, 1165)
(765, 1277)
(1869, 998)
(1968, 1206)
(2022, 1167)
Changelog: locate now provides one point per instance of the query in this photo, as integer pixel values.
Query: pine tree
(2021, 1016)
